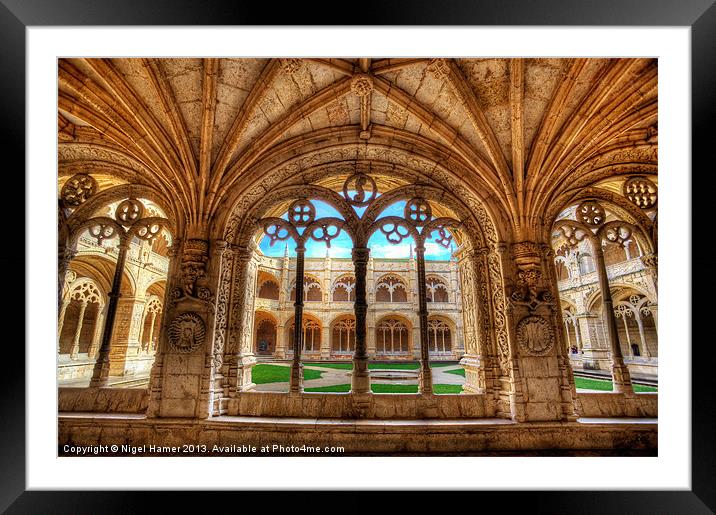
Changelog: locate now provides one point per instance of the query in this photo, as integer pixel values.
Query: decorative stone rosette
(535, 335)
(186, 332)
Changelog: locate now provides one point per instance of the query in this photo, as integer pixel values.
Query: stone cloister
(392, 330)
(539, 174)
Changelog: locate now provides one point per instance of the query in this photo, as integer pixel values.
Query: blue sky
(341, 246)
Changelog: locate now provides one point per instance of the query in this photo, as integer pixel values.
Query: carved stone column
(426, 378)
(543, 385)
(101, 367)
(78, 331)
(296, 385)
(61, 321)
(94, 346)
(642, 337)
(620, 373)
(125, 336)
(360, 381)
(240, 359)
(64, 257)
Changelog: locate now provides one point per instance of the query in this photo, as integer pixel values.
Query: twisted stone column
(78, 331)
(101, 366)
(296, 385)
(61, 321)
(426, 380)
(620, 372)
(360, 381)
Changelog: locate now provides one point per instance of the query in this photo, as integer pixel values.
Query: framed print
(284, 249)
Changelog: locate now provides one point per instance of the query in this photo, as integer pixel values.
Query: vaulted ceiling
(529, 134)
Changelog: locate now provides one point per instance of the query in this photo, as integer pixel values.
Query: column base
(425, 382)
(360, 379)
(296, 385)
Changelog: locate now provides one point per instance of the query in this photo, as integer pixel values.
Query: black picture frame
(17, 15)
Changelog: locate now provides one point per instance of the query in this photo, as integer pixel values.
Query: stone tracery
(227, 175)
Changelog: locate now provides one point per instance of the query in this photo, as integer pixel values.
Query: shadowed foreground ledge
(89, 433)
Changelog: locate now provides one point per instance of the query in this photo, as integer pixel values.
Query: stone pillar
(182, 379)
(477, 347)
(240, 357)
(620, 372)
(426, 379)
(642, 337)
(61, 321)
(326, 341)
(94, 346)
(125, 337)
(360, 380)
(65, 255)
(101, 367)
(540, 370)
(296, 385)
(78, 331)
(280, 351)
(594, 356)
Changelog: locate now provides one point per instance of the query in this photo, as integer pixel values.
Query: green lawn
(605, 386)
(389, 388)
(264, 373)
(457, 372)
(409, 365)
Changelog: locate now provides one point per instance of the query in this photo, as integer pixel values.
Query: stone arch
(81, 318)
(312, 333)
(312, 289)
(295, 177)
(441, 335)
(343, 289)
(312, 161)
(266, 333)
(391, 287)
(268, 286)
(343, 335)
(619, 206)
(393, 335)
(151, 323)
(437, 288)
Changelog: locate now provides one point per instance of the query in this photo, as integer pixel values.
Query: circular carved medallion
(301, 213)
(641, 192)
(357, 183)
(78, 189)
(129, 211)
(534, 335)
(418, 211)
(591, 213)
(186, 332)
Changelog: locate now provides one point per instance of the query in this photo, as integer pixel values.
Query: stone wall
(610, 404)
(363, 436)
(327, 405)
(102, 400)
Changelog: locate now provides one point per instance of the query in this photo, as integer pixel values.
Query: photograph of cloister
(393, 256)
